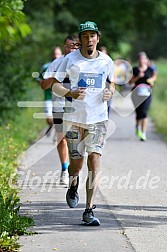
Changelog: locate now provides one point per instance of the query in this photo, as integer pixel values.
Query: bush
(15, 137)
(159, 109)
(11, 222)
(12, 83)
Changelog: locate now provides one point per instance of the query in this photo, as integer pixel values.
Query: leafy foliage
(8, 243)
(13, 24)
(159, 108)
(12, 85)
(14, 138)
(140, 24)
(10, 221)
(13, 29)
(143, 24)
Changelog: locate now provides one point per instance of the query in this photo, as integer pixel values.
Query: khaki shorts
(85, 138)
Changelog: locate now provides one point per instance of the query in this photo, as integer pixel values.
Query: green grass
(159, 107)
(15, 137)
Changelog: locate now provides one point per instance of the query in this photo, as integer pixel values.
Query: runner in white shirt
(85, 117)
(58, 103)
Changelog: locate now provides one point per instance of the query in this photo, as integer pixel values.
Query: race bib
(143, 90)
(92, 81)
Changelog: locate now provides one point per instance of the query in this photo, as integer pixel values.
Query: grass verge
(158, 110)
(15, 137)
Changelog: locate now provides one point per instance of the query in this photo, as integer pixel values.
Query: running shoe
(89, 219)
(139, 133)
(64, 178)
(143, 138)
(72, 196)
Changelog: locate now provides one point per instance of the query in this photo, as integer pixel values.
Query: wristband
(52, 85)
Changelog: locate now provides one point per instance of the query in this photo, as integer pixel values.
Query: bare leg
(93, 178)
(144, 124)
(62, 148)
(49, 121)
(138, 123)
(74, 169)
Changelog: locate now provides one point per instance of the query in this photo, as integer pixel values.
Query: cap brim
(88, 29)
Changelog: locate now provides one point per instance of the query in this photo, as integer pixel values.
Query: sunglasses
(73, 45)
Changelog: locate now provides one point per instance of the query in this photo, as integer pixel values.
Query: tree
(13, 29)
(13, 26)
(141, 24)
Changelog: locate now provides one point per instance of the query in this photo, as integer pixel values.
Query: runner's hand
(79, 93)
(150, 81)
(107, 94)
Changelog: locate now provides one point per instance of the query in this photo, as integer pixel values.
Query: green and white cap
(88, 26)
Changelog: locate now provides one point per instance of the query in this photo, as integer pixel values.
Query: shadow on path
(56, 216)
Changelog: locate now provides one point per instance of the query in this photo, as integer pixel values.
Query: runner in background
(103, 49)
(143, 79)
(58, 104)
(56, 53)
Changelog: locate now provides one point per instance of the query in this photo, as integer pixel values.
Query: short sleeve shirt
(90, 74)
(147, 74)
(58, 103)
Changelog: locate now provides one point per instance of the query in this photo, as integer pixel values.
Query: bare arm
(140, 75)
(60, 90)
(47, 83)
(134, 79)
(152, 79)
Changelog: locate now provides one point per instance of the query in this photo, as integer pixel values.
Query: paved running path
(131, 199)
